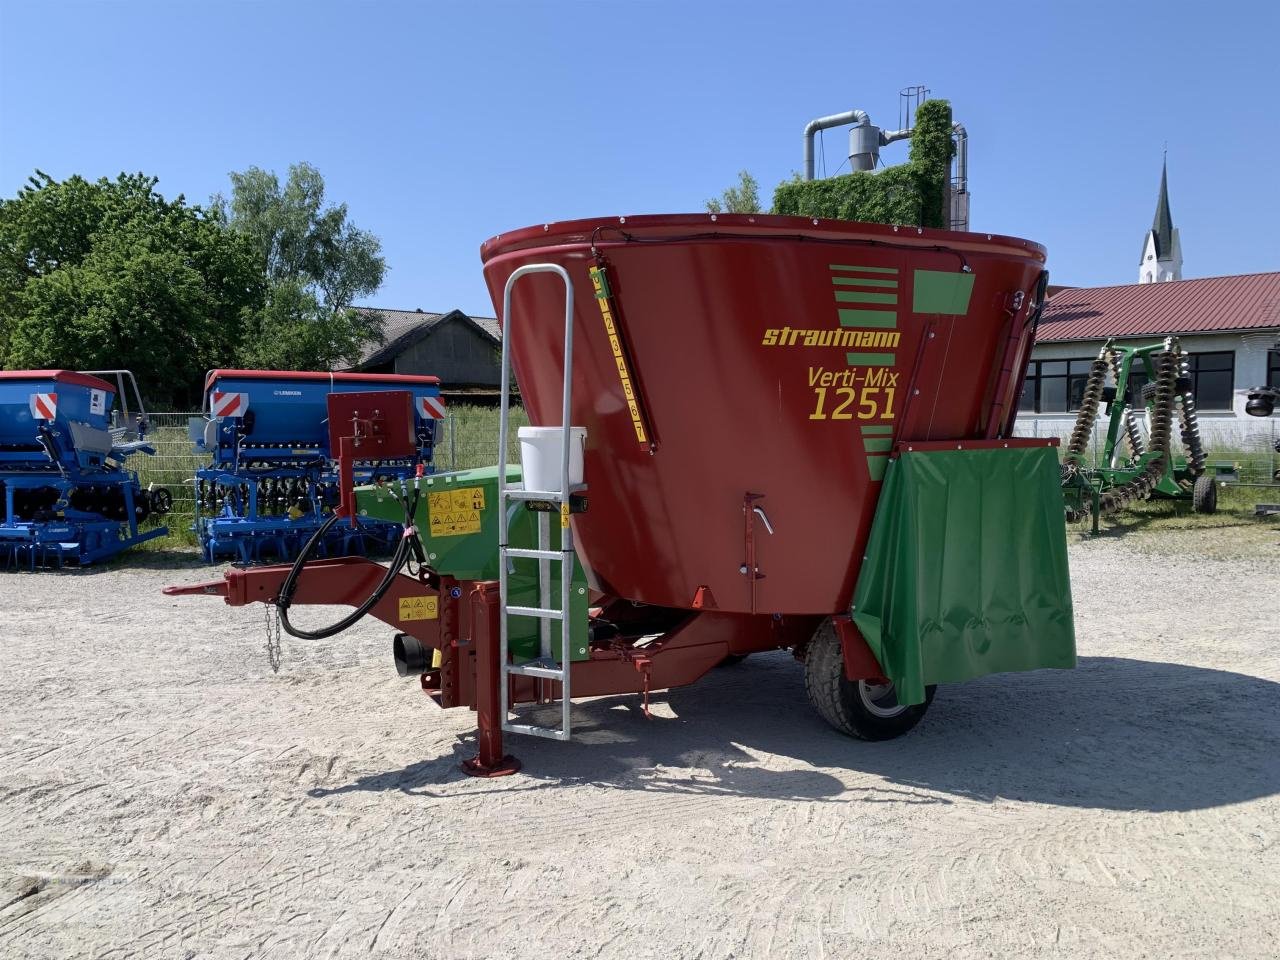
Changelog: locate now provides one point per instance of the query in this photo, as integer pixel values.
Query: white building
(1229, 325)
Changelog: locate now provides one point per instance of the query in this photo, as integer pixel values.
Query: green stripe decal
(863, 282)
(870, 359)
(846, 267)
(877, 439)
(868, 318)
(857, 296)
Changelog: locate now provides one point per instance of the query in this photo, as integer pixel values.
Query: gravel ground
(163, 794)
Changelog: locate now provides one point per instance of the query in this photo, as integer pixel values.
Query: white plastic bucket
(540, 456)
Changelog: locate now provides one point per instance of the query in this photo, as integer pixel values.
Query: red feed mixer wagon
(757, 433)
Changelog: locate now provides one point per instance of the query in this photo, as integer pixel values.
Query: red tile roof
(1250, 301)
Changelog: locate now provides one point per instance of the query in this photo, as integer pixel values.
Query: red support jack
(490, 761)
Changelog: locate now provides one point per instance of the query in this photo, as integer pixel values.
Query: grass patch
(1171, 526)
(1166, 526)
(470, 438)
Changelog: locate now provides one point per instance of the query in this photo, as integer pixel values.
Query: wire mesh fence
(175, 461)
(467, 438)
(1247, 445)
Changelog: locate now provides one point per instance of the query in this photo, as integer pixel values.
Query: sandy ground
(163, 794)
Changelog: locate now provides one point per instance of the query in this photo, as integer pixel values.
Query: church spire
(1162, 224)
(1161, 249)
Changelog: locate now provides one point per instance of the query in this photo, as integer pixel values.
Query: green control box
(457, 520)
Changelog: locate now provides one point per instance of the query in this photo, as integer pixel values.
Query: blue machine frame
(273, 479)
(67, 496)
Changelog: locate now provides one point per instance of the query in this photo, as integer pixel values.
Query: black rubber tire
(1204, 495)
(839, 701)
(161, 501)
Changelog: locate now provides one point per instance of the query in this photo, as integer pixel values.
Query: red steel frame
(465, 631)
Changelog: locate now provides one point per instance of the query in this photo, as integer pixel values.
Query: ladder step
(538, 612)
(542, 494)
(538, 554)
(549, 733)
(536, 669)
(533, 495)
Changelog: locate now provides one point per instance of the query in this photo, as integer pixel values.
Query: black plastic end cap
(411, 657)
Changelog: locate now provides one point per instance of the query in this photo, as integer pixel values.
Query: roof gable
(403, 328)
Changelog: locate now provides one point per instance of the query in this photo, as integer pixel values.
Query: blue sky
(441, 124)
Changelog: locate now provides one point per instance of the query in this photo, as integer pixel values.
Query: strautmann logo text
(834, 337)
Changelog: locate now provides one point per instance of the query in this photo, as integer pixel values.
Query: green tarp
(966, 568)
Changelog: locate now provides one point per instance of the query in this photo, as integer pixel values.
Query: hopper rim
(730, 226)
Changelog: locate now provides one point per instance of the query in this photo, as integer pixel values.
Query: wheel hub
(879, 699)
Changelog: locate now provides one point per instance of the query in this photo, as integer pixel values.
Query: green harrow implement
(1134, 467)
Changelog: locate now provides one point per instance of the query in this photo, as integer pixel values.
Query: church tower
(1161, 251)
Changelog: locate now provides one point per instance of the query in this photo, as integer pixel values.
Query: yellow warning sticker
(452, 513)
(419, 608)
(564, 516)
(615, 345)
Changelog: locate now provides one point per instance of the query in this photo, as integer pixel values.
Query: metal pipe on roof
(825, 123)
(866, 139)
(959, 213)
(962, 156)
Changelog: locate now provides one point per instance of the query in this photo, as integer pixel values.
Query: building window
(1212, 379)
(1273, 369)
(1054, 386)
(1057, 386)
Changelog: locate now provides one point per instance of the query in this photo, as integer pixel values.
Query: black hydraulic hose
(404, 549)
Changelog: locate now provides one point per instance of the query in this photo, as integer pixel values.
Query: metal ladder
(545, 666)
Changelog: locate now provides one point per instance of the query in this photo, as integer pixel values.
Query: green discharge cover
(937, 291)
(462, 542)
(966, 568)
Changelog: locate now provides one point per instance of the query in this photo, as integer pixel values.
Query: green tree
(744, 198)
(315, 263)
(111, 274)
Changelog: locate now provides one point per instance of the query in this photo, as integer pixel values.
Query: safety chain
(273, 637)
